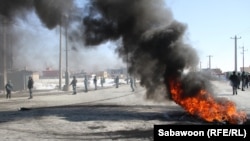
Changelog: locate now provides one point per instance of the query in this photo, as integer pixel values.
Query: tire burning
(204, 105)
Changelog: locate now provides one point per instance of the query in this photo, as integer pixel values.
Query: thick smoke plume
(48, 11)
(152, 41)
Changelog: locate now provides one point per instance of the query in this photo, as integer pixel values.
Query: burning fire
(204, 105)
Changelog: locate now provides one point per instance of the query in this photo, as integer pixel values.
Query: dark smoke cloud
(11, 8)
(148, 37)
(49, 11)
(152, 41)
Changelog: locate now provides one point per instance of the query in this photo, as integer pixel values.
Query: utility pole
(235, 51)
(60, 55)
(66, 86)
(4, 70)
(128, 75)
(200, 66)
(209, 56)
(10, 50)
(243, 60)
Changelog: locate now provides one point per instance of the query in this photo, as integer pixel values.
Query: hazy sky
(211, 25)
(38, 48)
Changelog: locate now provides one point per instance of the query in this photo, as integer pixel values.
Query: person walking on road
(102, 81)
(239, 76)
(30, 86)
(134, 81)
(95, 82)
(132, 84)
(243, 77)
(117, 81)
(246, 81)
(9, 88)
(73, 83)
(234, 80)
(86, 83)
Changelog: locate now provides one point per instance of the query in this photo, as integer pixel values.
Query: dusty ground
(105, 114)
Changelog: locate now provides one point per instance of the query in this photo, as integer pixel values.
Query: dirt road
(106, 114)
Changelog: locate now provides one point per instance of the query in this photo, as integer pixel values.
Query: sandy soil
(104, 114)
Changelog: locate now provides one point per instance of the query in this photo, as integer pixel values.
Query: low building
(246, 69)
(49, 73)
(122, 73)
(102, 74)
(19, 79)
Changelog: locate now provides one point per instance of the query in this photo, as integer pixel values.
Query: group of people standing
(9, 88)
(237, 79)
(30, 84)
(85, 81)
(102, 81)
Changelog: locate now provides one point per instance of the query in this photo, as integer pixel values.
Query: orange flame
(204, 105)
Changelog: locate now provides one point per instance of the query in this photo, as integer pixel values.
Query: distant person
(95, 82)
(73, 83)
(117, 81)
(102, 81)
(239, 76)
(86, 83)
(9, 88)
(246, 81)
(132, 84)
(135, 82)
(30, 86)
(243, 77)
(234, 81)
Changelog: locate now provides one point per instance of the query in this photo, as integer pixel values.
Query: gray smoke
(149, 38)
(152, 42)
(49, 11)
(15, 12)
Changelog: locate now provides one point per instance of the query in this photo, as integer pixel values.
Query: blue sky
(211, 24)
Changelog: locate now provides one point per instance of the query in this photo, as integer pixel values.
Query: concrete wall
(19, 79)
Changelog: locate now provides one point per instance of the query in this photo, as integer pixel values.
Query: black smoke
(48, 11)
(152, 41)
(11, 8)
